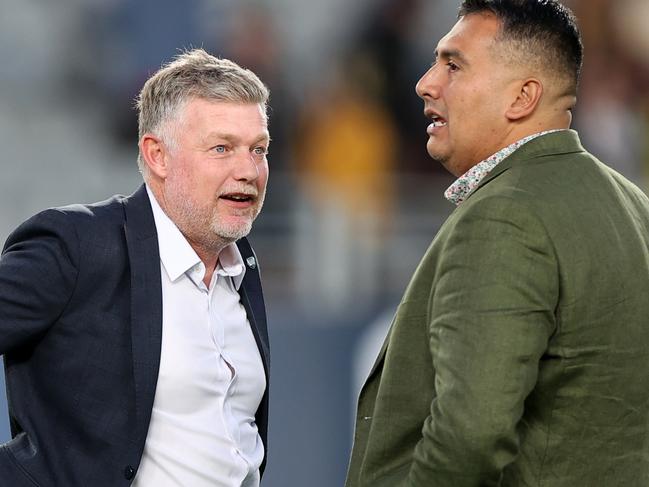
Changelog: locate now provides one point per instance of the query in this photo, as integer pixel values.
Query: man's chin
(233, 232)
(435, 150)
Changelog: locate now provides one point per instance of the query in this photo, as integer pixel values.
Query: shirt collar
(231, 264)
(465, 184)
(178, 257)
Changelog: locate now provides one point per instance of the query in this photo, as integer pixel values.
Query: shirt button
(129, 472)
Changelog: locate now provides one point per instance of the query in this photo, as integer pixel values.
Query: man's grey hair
(192, 74)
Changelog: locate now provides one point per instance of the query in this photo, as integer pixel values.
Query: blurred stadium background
(353, 199)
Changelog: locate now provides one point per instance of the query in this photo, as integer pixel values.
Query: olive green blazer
(519, 355)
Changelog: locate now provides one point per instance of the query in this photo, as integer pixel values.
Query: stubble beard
(202, 226)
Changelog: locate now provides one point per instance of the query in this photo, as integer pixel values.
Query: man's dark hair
(543, 29)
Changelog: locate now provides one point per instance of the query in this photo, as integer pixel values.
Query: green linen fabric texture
(519, 355)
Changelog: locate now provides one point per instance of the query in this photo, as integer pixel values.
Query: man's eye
(452, 66)
(260, 151)
(220, 149)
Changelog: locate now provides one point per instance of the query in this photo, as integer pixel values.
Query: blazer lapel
(146, 303)
(382, 352)
(381, 355)
(253, 301)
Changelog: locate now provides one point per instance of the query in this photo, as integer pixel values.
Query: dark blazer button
(129, 472)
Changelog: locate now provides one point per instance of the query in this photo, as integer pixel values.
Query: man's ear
(153, 152)
(528, 97)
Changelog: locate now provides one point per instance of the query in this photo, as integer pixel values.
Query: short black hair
(546, 29)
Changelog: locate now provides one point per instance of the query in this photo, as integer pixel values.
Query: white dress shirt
(211, 380)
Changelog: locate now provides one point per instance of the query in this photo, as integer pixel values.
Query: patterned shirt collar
(465, 184)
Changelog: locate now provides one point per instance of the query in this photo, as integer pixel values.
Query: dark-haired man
(519, 354)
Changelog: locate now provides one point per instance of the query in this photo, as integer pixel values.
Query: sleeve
(37, 277)
(491, 314)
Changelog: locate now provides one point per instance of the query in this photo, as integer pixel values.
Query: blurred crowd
(353, 199)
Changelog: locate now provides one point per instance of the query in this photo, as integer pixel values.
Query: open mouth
(238, 197)
(437, 121)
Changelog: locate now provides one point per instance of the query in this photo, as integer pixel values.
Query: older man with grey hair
(133, 330)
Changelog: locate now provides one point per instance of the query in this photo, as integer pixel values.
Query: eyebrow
(231, 138)
(451, 53)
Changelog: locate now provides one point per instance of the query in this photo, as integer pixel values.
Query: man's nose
(428, 85)
(246, 166)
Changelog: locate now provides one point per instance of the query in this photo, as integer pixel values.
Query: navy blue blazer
(80, 331)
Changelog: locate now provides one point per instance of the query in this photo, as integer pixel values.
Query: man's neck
(210, 259)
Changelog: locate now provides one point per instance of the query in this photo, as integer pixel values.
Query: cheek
(264, 171)
(261, 181)
(476, 111)
(179, 174)
(188, 186)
